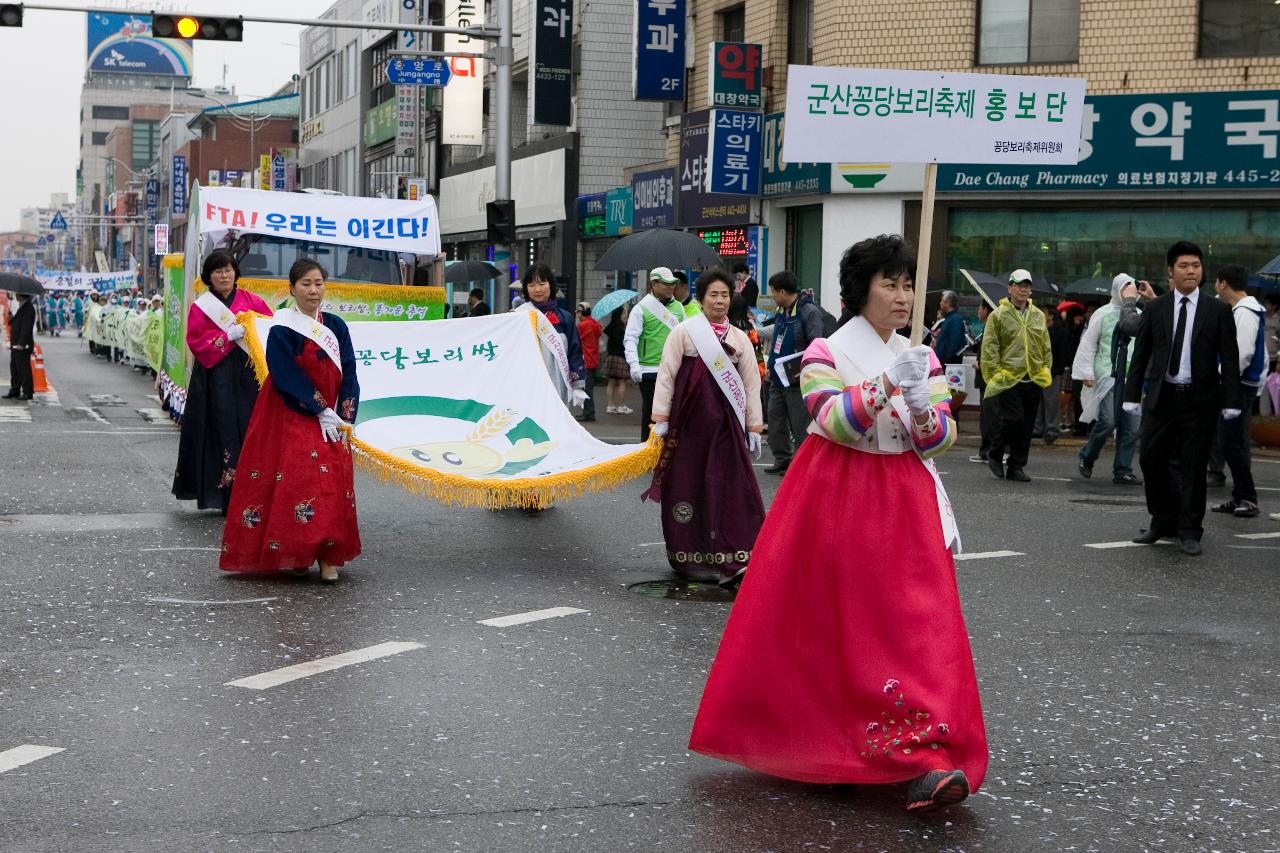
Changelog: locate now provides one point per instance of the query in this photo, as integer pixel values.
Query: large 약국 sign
(658, 72)
(872, 115)
(653, 199)
(123, 44)
(736, 75)
(378, 223)
(1183, 141)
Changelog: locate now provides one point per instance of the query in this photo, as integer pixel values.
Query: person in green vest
(1015, 365)
(691, 306)
(647, 329)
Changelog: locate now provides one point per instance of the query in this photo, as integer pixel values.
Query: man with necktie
(1184, 338)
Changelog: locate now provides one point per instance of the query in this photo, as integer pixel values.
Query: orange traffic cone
(38, 381)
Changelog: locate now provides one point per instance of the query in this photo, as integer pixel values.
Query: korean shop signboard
(696, 205)
(653, 199)
(658, 72)
(736, 75)
(733, 146)
(781, 178)
(591, 215)
(871, 115)
(1183, 141)
(617, 212)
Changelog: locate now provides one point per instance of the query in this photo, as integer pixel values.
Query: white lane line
(650, 544)
(1255, 547)
(1125, 544)
(1268, 461)
(89, 414)
(208, 603)
(179, 549)
(1267, 488)
(983, 555)
(1054, 479)
(284, 675)
(1272, 535)
(25, 754)
(532, 616)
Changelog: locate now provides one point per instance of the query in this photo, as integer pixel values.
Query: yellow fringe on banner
(338, 290)
(523, 492)
(171, 261)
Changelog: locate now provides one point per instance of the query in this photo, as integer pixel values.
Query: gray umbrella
(660, 247)
(20, 283)
(1089, 287)
(464, 272)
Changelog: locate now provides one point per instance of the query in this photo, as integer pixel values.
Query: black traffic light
(10, 14)
(197, 27)
(501, 216)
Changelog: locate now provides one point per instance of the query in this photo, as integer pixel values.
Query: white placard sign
(877, 115)
(463, 115)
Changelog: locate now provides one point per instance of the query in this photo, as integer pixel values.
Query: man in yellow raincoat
(1015, 366)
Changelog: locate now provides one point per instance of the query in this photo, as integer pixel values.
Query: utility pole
(502, 145)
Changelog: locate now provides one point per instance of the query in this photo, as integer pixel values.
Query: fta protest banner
(376, 223)
(875, 115)
(464, 412)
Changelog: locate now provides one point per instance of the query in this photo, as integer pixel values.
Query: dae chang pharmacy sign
(1166, 141)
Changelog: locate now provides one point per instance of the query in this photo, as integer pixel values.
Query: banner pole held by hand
(922, 257)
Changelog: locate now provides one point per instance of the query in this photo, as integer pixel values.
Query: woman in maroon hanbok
(846, 658)
(222, 390)
(294, 499)
(707, 406)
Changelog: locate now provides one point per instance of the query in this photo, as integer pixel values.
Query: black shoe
(1129, 479)
(1191, 548)
(997, 467)
(935, 790)
(1017, 474)
(1150, 537)
(9, 397)
(26, 397)
(1226, 507)
(1213, 478)
(1085, 469)
(777, 468)
(1050, 439)
(1246, 509)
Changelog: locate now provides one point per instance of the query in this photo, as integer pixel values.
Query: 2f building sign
(659, 59)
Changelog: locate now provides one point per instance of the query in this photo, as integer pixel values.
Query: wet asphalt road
(1132, 695)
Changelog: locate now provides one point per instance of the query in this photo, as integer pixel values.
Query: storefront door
(804, 247)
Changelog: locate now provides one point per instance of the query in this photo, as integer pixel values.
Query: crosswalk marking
(531, 616)
(1272, 535)
(15, 415)
(284, 675)
(1125, 544)
(25, 754)
(985, 555)
(153, 415)
(86, 413)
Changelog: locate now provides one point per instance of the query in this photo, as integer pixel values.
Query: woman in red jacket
(589, 331)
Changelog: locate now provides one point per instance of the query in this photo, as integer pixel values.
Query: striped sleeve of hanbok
(842, 413)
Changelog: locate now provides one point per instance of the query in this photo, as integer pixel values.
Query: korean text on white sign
(871, 115)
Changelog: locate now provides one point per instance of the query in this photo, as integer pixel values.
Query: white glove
(330, 425)
(1230, 414)
(579, 398)
(660, 428)
(1132, 408)
(753, 444)
(909, 365)
(236, 333)
(636, 374)
(916, 394)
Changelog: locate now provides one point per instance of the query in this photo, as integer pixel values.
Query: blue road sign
(58, 222)
(419, 72)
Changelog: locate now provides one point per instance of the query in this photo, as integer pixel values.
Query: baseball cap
(1019, 275)
(662, 274)
(584, 306)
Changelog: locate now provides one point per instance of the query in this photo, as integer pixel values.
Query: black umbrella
(660, 247)
(20, 284)
(994, 288)
(1089, 287)
(464, 272)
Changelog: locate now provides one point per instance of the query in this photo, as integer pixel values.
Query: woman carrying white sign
(706, 404)
(846, 659)
(294, 502)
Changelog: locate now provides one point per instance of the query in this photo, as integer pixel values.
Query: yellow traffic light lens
(188, 27)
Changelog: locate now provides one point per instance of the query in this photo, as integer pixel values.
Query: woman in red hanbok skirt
(846, 658)
(294, 502)
(707, 406)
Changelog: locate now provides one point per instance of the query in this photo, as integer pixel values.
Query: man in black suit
(1186, 355)
(22, 331)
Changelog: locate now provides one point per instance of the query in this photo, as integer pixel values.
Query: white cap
(662, 274)
(1019, 275)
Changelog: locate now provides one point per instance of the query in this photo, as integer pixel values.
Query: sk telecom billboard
(123, 44)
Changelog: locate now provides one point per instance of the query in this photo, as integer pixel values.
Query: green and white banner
(464, 411)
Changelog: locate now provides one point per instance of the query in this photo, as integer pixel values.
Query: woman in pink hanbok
(846, 658)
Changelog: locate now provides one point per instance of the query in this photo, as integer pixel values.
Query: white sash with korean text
(860, 353)
(219, 314)
(552, 344)
(651, 304)
(312, 329)
(718, 362)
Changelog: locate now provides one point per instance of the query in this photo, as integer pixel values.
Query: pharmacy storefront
(1153, 169)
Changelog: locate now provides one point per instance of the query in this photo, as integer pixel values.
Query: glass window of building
(111, 113)
(1014, 32)
(733, 24)
(146, 140)
(97, 137)
(1239, 28)
(800, 32)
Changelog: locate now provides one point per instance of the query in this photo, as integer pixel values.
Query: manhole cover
(1108, 501)
(675, 589)
(106, 400)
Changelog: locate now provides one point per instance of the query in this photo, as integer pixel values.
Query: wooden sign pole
(922, 254)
